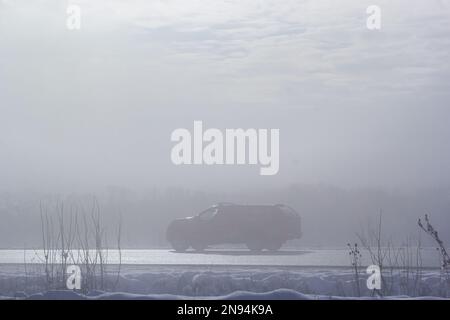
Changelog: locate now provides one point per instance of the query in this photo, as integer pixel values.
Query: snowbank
(184, 282)
(279, 294)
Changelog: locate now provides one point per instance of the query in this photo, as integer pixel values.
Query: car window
(208, 214)
(288, 210)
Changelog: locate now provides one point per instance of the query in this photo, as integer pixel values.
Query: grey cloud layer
(96, 107)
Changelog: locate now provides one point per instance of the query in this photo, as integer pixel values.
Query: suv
(258, 226)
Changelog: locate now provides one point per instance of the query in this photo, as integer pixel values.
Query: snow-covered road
(286, 257)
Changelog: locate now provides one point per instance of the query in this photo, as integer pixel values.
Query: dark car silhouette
(258, 226)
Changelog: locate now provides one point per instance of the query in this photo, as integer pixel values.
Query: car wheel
(180, 245)
(255, 246)
(198, 246)
(274, 246)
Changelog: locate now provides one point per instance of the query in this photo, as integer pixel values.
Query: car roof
(250, 207)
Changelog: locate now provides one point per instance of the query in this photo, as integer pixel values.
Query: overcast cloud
(91, 108)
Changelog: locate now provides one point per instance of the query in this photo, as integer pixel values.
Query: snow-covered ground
(228, 282)
(226, 274)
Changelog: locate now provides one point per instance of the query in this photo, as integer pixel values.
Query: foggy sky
(85, 109)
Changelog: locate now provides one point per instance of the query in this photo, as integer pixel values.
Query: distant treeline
(331, 216)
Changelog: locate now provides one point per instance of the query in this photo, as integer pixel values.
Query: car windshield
(208, 214)
(288, 210)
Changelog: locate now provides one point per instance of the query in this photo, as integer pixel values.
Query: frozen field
(243, 257)
(228, 282)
